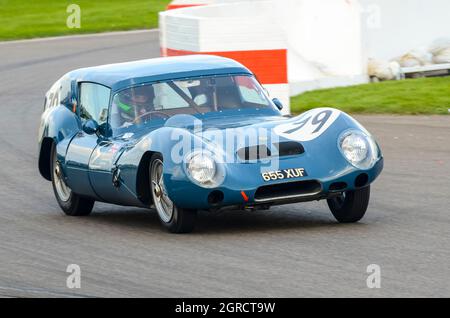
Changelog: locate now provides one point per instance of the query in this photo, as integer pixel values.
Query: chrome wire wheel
(62, 190)
(164, 206)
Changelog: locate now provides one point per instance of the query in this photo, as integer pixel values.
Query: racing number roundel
(309, 125)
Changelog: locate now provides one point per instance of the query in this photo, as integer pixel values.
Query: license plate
(284, 174)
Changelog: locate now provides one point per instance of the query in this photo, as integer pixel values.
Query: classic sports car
(193, 133)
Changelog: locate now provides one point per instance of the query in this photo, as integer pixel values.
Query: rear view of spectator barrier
(246, 35)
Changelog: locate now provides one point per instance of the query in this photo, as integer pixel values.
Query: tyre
(351, 206)
(71, 203)
(173, 218)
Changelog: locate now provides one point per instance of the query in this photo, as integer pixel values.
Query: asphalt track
(290, 251)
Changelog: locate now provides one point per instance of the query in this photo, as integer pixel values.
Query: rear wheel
(71, 203)
(173, 218)
(351, 206)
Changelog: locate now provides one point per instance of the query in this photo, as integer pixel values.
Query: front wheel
(71, 203)
(173, 218)
(351, 206)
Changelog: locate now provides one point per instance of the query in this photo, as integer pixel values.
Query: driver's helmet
(135, 102)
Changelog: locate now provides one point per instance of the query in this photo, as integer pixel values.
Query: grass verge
(414, 96)
(30, 19)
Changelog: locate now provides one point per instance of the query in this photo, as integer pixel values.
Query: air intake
(287, 191)
(254, 153)
(287, 148)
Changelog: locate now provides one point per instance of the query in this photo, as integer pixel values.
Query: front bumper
(248, 190)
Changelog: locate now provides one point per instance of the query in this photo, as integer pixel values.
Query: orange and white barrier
(291, 45)
(323, 43)
(178, 4)
(245, 35)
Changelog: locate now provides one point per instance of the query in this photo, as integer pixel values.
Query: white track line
(78, 36)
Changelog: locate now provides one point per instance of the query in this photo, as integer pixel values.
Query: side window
(94, 101)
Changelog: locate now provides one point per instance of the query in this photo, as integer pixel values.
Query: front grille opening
(289, 148)
(361, 180)
(288, 190)
(338, 186)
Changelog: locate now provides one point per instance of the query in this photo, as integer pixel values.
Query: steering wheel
(150, 114)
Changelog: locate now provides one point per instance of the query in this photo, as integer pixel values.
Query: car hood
(229, 134)
(313, 134)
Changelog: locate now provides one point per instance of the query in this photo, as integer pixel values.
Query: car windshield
(140, 104)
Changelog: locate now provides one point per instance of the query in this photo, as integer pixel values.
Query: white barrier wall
(393, 28)
(324, 41)
(237, 31)
(328, 42)
(320, 40)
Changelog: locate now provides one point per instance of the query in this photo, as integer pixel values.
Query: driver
(135, 102)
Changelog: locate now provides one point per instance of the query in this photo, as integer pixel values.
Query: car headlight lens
(202, 168)
(359, 149)
(355, 148)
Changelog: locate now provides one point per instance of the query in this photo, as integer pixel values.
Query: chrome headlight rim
(209, 182)
(372, 155)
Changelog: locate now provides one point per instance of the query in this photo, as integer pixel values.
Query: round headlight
(359, 149)
(202, 168)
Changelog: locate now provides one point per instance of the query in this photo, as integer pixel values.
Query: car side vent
(289, 148)
(254, 153)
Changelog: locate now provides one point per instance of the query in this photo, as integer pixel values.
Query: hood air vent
(287, 148)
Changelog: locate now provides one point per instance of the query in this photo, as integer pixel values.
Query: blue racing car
(191, 133)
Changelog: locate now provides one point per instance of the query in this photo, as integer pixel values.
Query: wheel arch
(143, 177)
(57, 124)
(45, 154)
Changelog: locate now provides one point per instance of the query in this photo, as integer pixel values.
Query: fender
(135, 160)
(58, 124)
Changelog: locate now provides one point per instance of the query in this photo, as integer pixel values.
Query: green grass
(415, 96)
(22, 19)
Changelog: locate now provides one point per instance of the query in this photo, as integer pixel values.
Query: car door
(104, 175)
(93, 105)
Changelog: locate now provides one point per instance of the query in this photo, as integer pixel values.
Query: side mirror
(278, 103)
(90, 127)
